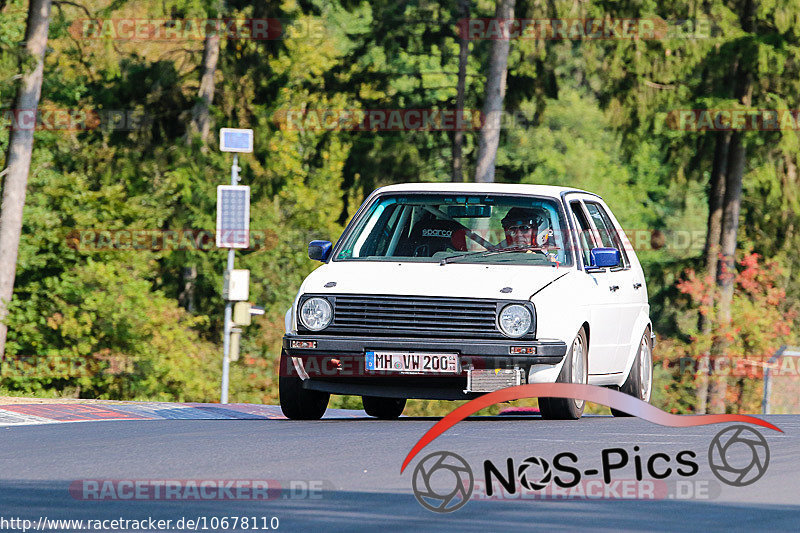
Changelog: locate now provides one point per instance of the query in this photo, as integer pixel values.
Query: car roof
(480, 188)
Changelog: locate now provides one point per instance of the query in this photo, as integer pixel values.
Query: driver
(521, 226)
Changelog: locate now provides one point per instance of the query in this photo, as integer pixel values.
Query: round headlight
(515, 320)
(316, 314)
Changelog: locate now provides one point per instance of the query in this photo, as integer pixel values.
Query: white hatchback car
(449, 291)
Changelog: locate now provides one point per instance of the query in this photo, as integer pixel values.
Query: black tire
(569, 408)
(298, 403)
(384, 408)
(639, 382)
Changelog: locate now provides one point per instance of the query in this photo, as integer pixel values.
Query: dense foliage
(94, 319)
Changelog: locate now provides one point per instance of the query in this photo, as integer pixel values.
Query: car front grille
(413, 316)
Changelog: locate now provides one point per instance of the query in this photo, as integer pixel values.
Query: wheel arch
(585, 327)
(642, 325)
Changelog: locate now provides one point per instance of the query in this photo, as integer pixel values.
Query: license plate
(412, 362)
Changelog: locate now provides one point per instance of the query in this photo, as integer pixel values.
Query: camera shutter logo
(738, 441)
(443, 482)
(526, 468)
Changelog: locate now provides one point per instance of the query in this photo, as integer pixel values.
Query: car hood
(432, 279)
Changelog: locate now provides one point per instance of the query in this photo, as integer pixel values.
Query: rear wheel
(298, 403)
(639, 383)
(384, 408)
(575, 370)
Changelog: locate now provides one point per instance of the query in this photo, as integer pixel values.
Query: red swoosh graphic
(590, 393)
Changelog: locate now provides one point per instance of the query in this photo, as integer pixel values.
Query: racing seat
(430, 236)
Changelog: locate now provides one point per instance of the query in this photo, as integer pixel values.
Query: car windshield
(447, 228)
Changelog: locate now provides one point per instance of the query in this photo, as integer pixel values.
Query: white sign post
(233, 228)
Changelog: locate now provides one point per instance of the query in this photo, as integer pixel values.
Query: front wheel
(384, 408)
(298, 403)
(639, 383)
(575, 370)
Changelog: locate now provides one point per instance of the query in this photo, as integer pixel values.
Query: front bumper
(337, 363)
(492, 353)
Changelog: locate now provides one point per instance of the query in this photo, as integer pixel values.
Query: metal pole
(765, 407)
(235, 170)
(765, 399)
(226, 340)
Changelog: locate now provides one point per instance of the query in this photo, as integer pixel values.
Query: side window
(608, 233)
(584, 231)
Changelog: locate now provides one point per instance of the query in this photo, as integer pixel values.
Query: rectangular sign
(233, 216)
(410, 362)
(236, 285)
(236, 140)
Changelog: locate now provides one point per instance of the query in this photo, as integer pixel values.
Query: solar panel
(233, 216)
(236, 140)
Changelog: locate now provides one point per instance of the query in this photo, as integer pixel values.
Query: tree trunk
(186, 298)
(732, 201)
(726, 273)
(730, 225)
(716, 196)
(200, 123)
(18, 158)
(495, 92)
(463, 54)
(205, 95)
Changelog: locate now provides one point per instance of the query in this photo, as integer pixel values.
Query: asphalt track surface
(357, 462)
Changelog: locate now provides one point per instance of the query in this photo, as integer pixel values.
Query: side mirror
(605, 257)
(319, 250)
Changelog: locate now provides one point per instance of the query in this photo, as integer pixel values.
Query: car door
(602, 299)
(629, 281)
(632, 292)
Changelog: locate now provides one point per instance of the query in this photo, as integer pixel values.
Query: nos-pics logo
(443, 481)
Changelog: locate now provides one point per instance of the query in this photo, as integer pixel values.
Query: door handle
(637, 285)
(613, 288)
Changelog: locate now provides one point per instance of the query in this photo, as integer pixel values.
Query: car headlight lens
(515, 320)
(316, 314)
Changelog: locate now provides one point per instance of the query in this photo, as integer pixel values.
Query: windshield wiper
(487, 253)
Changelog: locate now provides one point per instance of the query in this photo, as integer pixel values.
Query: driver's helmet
(535, 217)
(518, 216)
